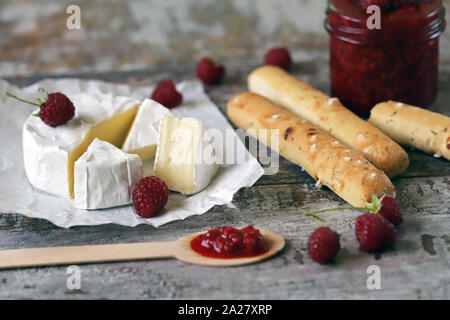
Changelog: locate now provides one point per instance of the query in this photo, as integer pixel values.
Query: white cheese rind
(46, 150)
(143, 136)
(45, 164)
(105, 176)
(185, 158)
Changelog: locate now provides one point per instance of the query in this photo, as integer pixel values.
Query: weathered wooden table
(418, 267)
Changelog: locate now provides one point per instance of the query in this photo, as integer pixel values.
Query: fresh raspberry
(279, 57)
(57, 110)
(167, 95)
(374, 232)
(323, 245)
(385, 5)
(150, 196)
(391, 210)
(210, 72)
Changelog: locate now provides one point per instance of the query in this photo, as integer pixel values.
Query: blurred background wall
(127, 35)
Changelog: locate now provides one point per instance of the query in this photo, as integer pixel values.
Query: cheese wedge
(50, 153)
(104, 176)
(185, 158)
(142, 138)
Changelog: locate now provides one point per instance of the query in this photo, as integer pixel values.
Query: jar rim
(434, 25)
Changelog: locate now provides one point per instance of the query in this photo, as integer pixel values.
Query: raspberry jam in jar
(397, 62)
(229, 243)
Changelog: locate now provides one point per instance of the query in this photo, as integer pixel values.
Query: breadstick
(412, 126)
(330, 116)
(328, 161)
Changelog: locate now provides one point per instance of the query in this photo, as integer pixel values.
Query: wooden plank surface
(417, 268)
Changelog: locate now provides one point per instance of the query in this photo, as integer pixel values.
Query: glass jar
(397, 62)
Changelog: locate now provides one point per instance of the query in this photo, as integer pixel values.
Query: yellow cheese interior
(113, 130)
(145, 152)
(176, 156)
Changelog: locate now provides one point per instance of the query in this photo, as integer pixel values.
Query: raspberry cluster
(374, 231)
(211, 72)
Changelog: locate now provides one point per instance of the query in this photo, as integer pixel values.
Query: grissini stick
(330, 162)
(330, 116)
(412, 126)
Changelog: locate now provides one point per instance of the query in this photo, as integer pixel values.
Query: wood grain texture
(417, 268)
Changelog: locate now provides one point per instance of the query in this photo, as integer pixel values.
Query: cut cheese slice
(185, 158)
(143, 136)
(50, 153)
(105, 176)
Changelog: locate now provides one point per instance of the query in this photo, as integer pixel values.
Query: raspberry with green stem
(373, 207)
(210, 70)
(374, 230)
(54, 110)
(323, 243)
(385, 206)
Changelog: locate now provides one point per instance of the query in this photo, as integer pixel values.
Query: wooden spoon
(180, 249)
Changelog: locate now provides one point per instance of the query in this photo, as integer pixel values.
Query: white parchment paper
(18, 196)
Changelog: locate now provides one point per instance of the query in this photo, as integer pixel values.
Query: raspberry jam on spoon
(180, 249)
(229, 243)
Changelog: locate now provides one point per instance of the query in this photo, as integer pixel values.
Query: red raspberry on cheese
(55, 110)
